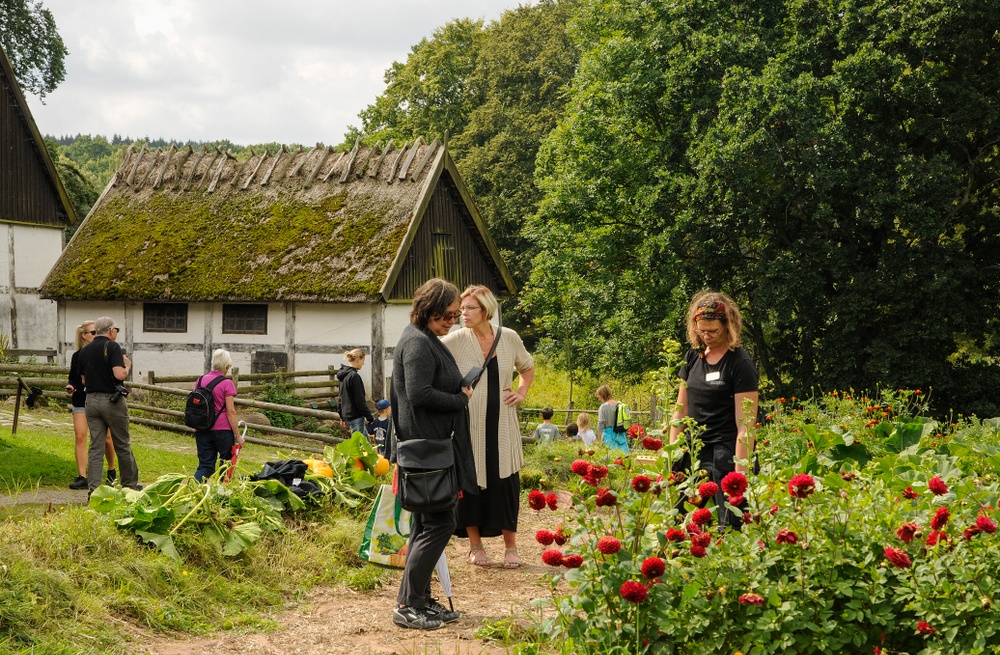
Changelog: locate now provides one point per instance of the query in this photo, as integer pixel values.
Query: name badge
(713, 376)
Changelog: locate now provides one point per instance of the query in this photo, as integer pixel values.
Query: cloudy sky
(251, 71)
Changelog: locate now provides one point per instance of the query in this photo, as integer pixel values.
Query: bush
(280, 393)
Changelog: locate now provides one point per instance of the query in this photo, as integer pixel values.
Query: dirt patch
(341, 621)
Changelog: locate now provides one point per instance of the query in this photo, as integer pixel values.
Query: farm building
(34, 214)
(286, 259)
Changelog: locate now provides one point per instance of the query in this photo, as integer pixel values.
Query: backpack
(623, 418)
(199, 410)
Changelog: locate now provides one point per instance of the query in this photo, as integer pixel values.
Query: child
(586, 435)
(571, 431)
(546, 431)
(380, 426)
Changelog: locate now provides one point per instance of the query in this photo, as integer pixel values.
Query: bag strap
(496, 341)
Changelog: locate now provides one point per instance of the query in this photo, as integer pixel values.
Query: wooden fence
(313, 392)
(652, 417)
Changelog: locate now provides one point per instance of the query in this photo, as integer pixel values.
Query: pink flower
(609, 545)
(552, 557)
(910, 494)
(572, 561)
(653, 567)
(897, 557)
(580, 467)
(774, 509)
(652, 443)
(708, 489)
(536, 500)
(924, 628)
(940, 519)
(937, 485)
(552, 500)
(801, 485)
(751, 599)
(673, 534)
(641, 483)
(701, 516)
(605, 498)
(935, 537)
(545, 537)
(906, 531)
(787, 537)
(698, 551)
(633, 592)
(734, 483)
(985, 524)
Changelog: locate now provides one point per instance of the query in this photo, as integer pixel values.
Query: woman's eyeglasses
(709, 333)
(449, 317)
(91, 332)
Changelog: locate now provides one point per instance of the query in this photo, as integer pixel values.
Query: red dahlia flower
(924, 628)
(747, 517)
(906, 531)
(897, 557)
(909, 493)
(692, 529)
(940, 519)
(605, 498)
(652, 443)
(752, 599)
(673, 534)
(561, 537)
(734, 483)
(536, 500)
(636, 431)
(552, 500)
(985, 524)
(641, 483)
(598, 472)
(545, 537)
(774, 509)
(620, 462)
(653, 567)
(609, 545)
(935, 537)
(787, 537)
(708, 489)
(552, 557)
(970, 532)
(580, 467)
(937, 485)
(572, 561)
(704, 539)
(633, 592)
(698, 551)
(701, 516)
(801, 485)
(735, 501)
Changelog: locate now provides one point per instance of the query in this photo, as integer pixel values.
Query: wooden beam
(378, 162)
(395, 163)
(364, 162)
(263, 156)
(208, 169)
(426, 158)
(194, 168)
(410, 156)
(298, 167)
(322, 160)
(149, 171)
(350, 161)
(274, 164)
(218, 171)
(135, 165)
(163, 169)
(329, 173)
(185, 155)
(239, 171)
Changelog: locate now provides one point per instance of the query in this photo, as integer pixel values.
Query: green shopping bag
(387, 531)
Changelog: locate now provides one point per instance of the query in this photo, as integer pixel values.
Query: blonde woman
(84, 335)
(354, 410)
(496, 434)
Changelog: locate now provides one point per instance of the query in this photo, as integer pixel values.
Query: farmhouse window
(244, 319)
(165, 317)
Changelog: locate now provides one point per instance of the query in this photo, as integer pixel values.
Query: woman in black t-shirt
(720, 379)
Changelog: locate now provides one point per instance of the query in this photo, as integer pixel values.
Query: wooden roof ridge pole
(208, 169)
(431, 149)
(350, 161)
(118, 173)
(163, 169)
(185, 155)
(329, 173)
(364, 162)
(149, 171)
(410, 156)
(253, 173)
(274, 164)
(194, 168)
(135, 165)
(298, 167)
(322, 160)
(243, 164)
(218, 171)
(373, 172)
(395, 162)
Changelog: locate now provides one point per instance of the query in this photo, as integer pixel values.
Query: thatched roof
(314, 226)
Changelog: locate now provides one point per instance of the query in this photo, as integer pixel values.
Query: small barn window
(244, 319)
(165, 317)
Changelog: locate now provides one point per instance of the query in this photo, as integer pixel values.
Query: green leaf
(105, 499)
(241, 538)
(162, 541)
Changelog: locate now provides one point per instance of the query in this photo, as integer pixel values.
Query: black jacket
(352, 395)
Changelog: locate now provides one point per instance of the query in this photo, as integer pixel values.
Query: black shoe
(412, 617)
(112, 476)
(79, 483)
(446, 615)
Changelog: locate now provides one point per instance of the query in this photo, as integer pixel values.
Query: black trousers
(429, 534)
(717, 460)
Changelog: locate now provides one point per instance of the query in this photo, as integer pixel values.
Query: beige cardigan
(511, 355)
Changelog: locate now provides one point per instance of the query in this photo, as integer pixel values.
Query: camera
(120, 390)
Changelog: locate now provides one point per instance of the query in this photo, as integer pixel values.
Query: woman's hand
(513, 397)
(468, 392)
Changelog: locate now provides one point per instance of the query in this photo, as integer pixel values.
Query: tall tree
(36, 51)
(832, 163)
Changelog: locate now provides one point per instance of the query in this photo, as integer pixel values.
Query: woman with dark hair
(429, 402)
(720, 391)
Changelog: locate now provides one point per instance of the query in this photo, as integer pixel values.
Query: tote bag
(387, 531)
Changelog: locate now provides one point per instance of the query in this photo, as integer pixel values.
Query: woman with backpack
(353, 408)
(217, 442)
(607, 418)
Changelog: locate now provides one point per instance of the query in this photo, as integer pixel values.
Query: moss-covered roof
(313, 226)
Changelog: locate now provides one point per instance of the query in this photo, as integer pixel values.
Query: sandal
(511, 560)
(478, 556)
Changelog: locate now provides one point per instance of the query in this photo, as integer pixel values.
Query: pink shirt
(219, 393)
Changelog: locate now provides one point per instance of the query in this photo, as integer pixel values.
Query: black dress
(495, 508)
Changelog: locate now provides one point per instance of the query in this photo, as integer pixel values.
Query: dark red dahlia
(935, 537)
(897, 557)
(633, 592)
(552, 557)
(708, 489)
(598, 472)
(652, 443)
(702, 516)
(735, 501)
(787, 537)
(937, 485)
(641, 483)
(536, 500)
(673, 534)
(609, 545)
(704, 539)
(802, 485)
(751, 599)
(653, 567)
(986, 524)
(573, 561)
(909, 493)
(606, 498)
(698, 551)
(924, 628)
(734, 483)
(580, 467)
(906, 532)
(552, 500)
(545, 537)
(940, 519)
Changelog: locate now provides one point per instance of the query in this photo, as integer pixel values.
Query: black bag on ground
(286, 471)
(428, 480)
(199, 410)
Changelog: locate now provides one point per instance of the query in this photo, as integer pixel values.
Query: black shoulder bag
(471, 378)
(428, 479)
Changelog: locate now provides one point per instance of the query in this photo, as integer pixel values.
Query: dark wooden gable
(448, 245)
(30, 191)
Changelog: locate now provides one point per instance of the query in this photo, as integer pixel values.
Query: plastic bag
(387, 532)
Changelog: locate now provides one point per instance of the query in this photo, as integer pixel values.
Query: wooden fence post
(17, 405)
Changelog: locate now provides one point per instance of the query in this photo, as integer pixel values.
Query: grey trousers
(102, 414)
(429, 534)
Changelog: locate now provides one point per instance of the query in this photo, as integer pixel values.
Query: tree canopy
(36, 51)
